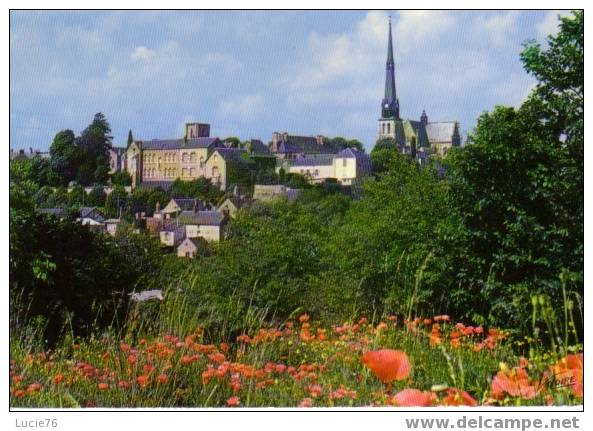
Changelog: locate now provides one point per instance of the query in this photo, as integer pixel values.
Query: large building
(159, 162)
(291, 147)
(344, 167)
(411, 135)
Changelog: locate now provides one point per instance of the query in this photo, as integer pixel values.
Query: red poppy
(233, 401)
(414, 398)
(162, 378)
(569, 371)
(103, 386)
(457, 397)
(513, 382)
(387, 364)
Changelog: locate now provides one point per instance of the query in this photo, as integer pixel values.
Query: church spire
(390, 103)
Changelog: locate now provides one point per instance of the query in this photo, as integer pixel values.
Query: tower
(390, 103)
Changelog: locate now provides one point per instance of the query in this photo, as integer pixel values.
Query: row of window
(388, 128)
(172, 172)
(172, 158)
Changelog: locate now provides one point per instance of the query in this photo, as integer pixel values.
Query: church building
(412, 135)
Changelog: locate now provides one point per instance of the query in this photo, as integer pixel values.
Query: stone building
(412, 135)
(290, 147)
(159, 162)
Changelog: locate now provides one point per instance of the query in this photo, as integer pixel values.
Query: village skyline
(230, 80)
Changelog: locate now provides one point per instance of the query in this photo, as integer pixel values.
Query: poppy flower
(387, 364)
(513, 382)
(306, 402)
(457, 397)
(414, 398)
(103, 386)
(142, 380)
(162, 378)
(58, 378)
(233, 401)
(19, 393)
(569, 371)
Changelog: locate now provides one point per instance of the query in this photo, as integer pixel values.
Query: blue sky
(249, 74)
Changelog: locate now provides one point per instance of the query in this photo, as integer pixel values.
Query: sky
(251, 73)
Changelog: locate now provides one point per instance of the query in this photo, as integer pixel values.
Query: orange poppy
(414, 398)
(457, 397)
(387, 364)
(513, 382)
(233, 401)
(103, 386)
(569, 371)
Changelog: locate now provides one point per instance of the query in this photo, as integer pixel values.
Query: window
(316, 172)
(192, 157)
(184, 157)
(344, 162)
(202, 162)
(191, 172)
(215, 173)
(383, 124)
(388, 127)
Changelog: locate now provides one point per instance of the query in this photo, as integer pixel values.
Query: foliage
(121, 178)
(518, 187)
(72, 277)
(200, 188)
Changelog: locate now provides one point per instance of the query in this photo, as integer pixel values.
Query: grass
(294, 363)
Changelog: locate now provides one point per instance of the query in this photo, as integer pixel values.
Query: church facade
(412, 135)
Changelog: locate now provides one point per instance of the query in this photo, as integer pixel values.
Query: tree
(518, 187)
(95, 143)
(121, 178)
(233, 141)
(385, 144)
(65, 156)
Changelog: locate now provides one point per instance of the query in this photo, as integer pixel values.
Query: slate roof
(256, 146)
(441, 132)
(363, 161)
(91, 212)
(303, 144)
(208, 218)
(174, 144)
(232, 154)
(187, 204)
(326, 160)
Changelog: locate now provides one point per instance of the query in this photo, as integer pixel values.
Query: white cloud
(142, 53)
(247, 107)
(549, 24)
(414, 27)
(497, 28)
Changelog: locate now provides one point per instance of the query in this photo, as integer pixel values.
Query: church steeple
(390, 103)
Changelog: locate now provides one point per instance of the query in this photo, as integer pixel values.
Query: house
(267, 193)
(177, 205)
(172, 234)
(291, 147)
(91, 216)
(256, 147)
(203, 224)
(225, 164)
(345, 166)
(111, 225)
(232, 204)
(190, 247)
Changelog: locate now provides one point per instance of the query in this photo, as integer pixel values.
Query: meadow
(391, 362)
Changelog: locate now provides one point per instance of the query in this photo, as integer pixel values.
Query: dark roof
(325, 160)
(304, 145)
(172, 226)
(232, 154)
(256, 146)
(92, 213)
(363, 161)
(209, 218)
(174, 144)
(187, 204)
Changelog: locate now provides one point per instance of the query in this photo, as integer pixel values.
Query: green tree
(518, 186)
(65, 156)
(121, 178)
(94, 143)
